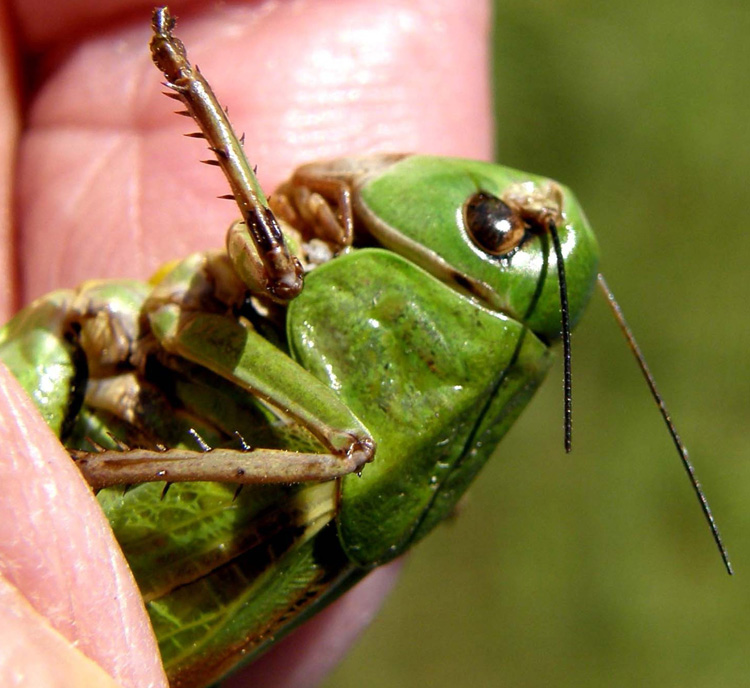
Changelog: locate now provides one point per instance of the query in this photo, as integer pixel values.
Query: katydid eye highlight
(492, 224)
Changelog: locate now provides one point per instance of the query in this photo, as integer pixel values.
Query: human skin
(98, 182)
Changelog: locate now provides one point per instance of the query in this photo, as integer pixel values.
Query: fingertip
(57, 549)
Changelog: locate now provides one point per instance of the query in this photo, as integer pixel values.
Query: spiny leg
(282, 272)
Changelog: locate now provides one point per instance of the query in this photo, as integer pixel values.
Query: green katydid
(355, 410)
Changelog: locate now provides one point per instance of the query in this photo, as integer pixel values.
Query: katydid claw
(361, 452)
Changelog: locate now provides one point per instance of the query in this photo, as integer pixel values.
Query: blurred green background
(596, 568)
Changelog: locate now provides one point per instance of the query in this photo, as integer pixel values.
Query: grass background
(596, 568)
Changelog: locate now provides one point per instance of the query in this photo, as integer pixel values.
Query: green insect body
(424, 326)
(435, 375)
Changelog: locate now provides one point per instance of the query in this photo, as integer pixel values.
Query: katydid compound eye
(492, 224)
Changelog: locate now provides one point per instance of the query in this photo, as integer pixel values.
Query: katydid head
(518, 243)
(485, 230)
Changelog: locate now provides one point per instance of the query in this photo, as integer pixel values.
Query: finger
(35, 654)
(9, 129)
(58, 551)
